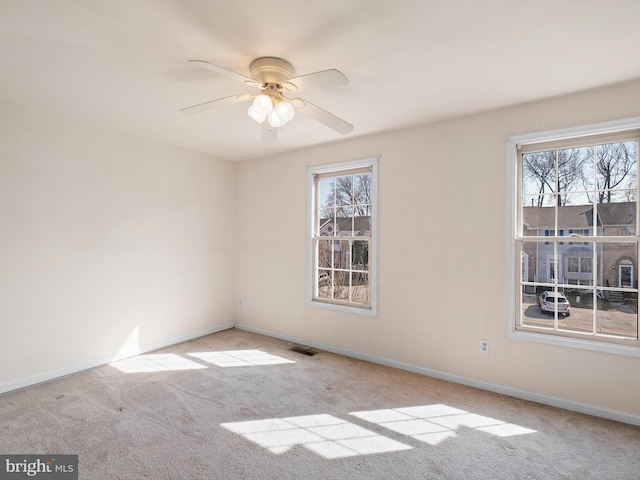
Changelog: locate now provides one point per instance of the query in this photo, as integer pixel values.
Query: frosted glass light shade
(274, 119)
(261, 107)
(256, 114)
(263, 103)
(285, 111)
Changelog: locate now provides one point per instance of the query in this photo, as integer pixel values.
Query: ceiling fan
(271, 107)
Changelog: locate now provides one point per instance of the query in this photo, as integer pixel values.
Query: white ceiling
(123, 63)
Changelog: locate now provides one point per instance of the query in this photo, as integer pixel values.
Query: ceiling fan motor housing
(271, 70)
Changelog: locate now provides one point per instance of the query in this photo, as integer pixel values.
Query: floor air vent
(303, 350)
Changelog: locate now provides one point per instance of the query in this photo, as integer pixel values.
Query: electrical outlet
(241, 303)
(484, 346)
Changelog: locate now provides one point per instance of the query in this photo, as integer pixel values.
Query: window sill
(577, 343)
(367, 311)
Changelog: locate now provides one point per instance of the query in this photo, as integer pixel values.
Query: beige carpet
(235, 405)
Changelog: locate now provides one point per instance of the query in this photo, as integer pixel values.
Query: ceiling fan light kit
(274, 76)
(277, 109)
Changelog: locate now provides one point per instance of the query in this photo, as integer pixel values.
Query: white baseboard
(71, 369)
(492, 387)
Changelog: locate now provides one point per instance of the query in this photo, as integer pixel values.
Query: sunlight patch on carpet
(157, 362)
(325, 435)
(433, 424)
(240, 358)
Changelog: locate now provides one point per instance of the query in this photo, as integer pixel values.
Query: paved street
(618, 320)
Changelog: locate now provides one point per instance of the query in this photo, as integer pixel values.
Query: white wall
(108, 245)
(439, 295)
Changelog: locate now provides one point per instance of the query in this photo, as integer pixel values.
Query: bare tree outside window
(554, 172)
(607, 171)
(348, 196)
(616, 169)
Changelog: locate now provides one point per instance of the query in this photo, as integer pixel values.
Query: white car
(551, 301)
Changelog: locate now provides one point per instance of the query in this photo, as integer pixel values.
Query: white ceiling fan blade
(317, 113)
(201, 107)
(323, 79)
(269, 133)
(225, 71)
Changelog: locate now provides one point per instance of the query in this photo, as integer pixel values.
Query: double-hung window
(584, 186)
(342, 240)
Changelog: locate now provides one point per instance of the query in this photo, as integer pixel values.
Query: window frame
(347, 168)
(578, 135)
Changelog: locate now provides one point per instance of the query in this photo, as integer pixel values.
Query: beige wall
(107, 244)
(439, 295)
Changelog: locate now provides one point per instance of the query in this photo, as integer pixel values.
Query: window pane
(616, 167)
(576, 217)
(574, 319)
(557, 310)
(327, 227)
(542, 304)
(341, 254)
(619, 265)
(360, 287)
(618, 314)
(538, 173)
(362, 187)
(360, 255)
(324, 277)
(531, 313)
(324, 284)
(538, 220)
(341, 290)
(577, 267)
(573, 181)
(538, 262)
(345, 221)
(345, 214)
(325, 253)
(326, 192)
(618, 216)
(575, 198)
(576, 172)
(581, 315)
(345, 192)
(353, 226)
(362, 226)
